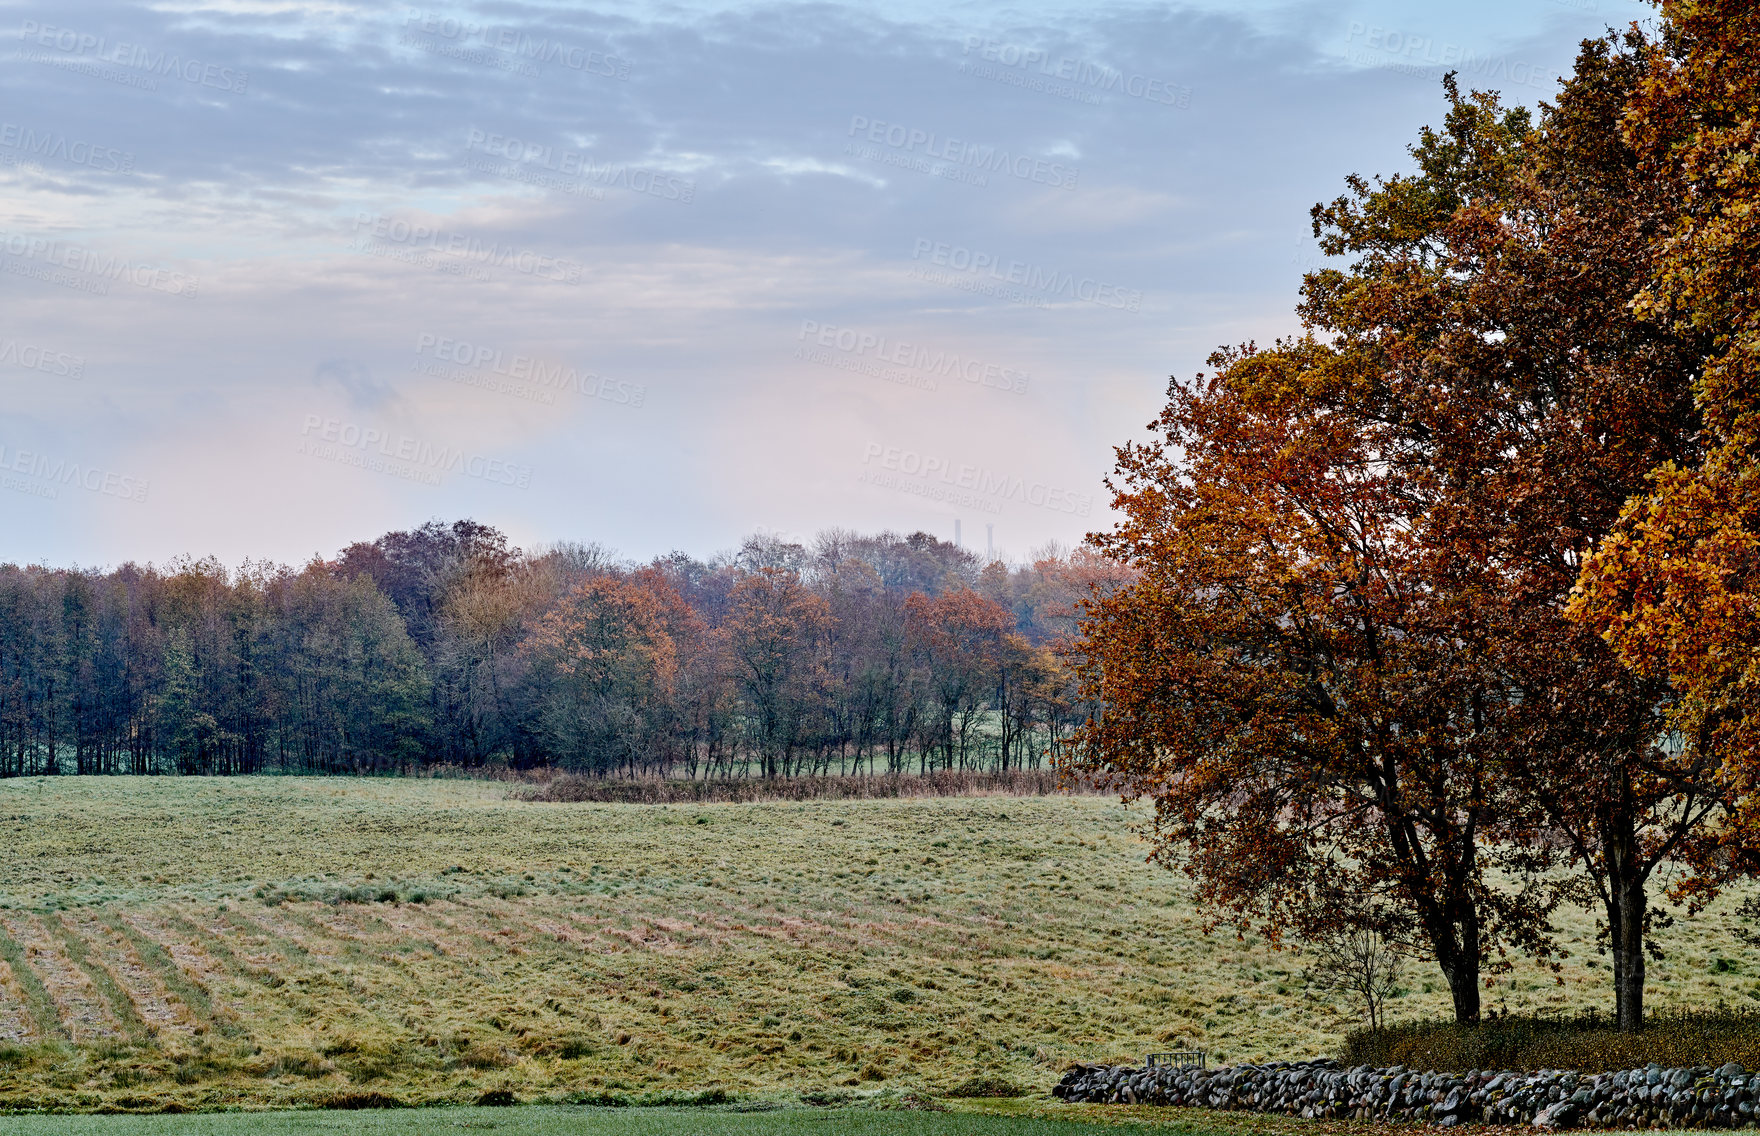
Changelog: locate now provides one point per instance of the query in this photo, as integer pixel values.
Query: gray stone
(1561, 1115)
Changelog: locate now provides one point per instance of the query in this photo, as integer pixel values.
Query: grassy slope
(768, 948)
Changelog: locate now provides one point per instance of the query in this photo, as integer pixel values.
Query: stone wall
(1699, 1097)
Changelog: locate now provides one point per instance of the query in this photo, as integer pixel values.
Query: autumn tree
(774, 630)
(959, 636)
(1491, 308)
(1029, 678)
(1675, 588)
(609, 666)
(1358, 550)
(352, 693)
(1279, 678)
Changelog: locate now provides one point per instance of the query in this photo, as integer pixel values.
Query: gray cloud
(619, 222)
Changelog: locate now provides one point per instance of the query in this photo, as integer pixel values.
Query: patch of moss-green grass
(558, 1121)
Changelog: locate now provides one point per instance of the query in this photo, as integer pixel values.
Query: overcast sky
(276, 276)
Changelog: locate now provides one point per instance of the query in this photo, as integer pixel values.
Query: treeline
(444, 647)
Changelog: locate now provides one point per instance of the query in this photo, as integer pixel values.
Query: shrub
(911, 1101)
(942, 783)
(828, 1098)
(497, 1098)
(1586, 1042)
(484, 1057)
(667, 1099)
(362, 1100)
(124, 1105)
(299, 1065)
(986, 1087)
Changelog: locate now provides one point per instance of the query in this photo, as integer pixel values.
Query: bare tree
(1360, 963)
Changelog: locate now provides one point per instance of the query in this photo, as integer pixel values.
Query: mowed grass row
(265, 942)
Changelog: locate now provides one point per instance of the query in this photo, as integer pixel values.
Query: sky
(276, 276)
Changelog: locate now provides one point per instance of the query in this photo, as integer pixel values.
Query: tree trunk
(1627, 905)
(1627, 934)
(1463, 983)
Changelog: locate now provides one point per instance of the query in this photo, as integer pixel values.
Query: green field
(172, 942)
(556, 1121)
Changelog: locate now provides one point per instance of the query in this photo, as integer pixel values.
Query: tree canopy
(443, 646)
(1348, 672)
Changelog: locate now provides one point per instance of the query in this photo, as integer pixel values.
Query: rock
(1733, 1069)
(1560, 1115)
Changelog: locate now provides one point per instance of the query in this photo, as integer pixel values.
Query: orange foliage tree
(610, 667)
(1347, 674)
(959, 636)
(773, 633)
(1283, 684)
(1676, 587)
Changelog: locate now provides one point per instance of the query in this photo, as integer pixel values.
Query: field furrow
(15, 1014)
(450, 925)
(571, 933)
(452, 962)
(251, 945)
(162, 1014)
(81, 1008)
(288, 935)
(89, 958)
(194, 959)
(187, 969)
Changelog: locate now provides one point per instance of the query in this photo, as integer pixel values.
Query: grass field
(173, 942)
(556, 1121)
(994, 1118)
